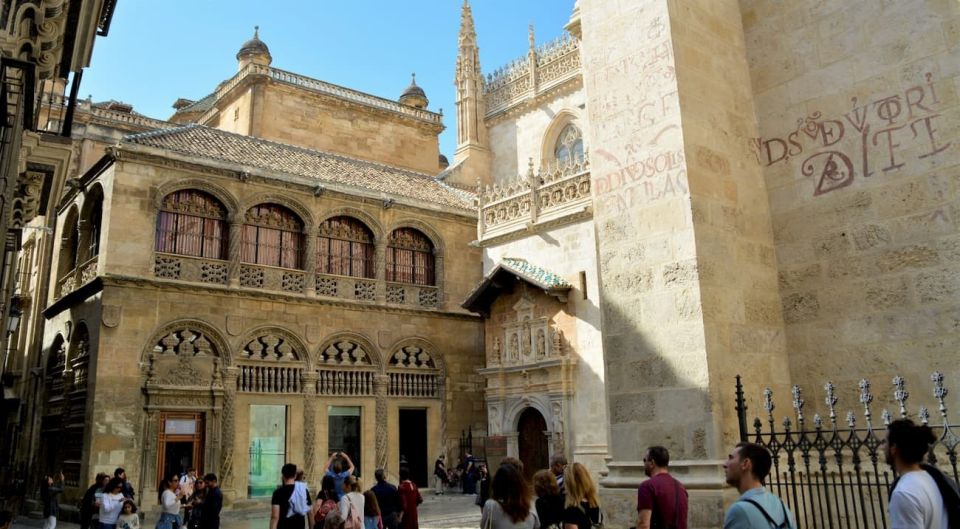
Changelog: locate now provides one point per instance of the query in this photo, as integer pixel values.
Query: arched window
(410, 257)
(90, 228)
(345, 247)
(272, 236)
(192, 223)
(69, 244)
(569, 146)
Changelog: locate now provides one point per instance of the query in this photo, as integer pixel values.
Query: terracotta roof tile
(213, 144)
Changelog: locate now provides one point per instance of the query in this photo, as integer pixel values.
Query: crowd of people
(563, 496)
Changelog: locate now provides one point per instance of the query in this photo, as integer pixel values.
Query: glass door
(268, 448)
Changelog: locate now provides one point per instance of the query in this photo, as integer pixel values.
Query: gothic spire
(468, 36)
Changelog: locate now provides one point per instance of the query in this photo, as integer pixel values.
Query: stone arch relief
(184, 356)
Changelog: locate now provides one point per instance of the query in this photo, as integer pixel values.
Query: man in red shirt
(661, 500)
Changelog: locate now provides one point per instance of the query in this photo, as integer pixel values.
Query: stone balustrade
(543, 69)
(292, 281)
(77, 277)
(329, 89)
(534, 199)
(412, 384)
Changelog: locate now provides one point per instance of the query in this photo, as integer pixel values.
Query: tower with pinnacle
(473, 153)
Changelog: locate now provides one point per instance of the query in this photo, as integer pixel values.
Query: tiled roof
(202, 142)
(201, 105)
(491, 286)
(535, 274)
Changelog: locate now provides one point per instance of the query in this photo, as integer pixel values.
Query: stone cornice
(531, 101)
(163, 158)
(122, 281)
(533, 229)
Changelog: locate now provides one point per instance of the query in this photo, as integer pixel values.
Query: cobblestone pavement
(446, 511)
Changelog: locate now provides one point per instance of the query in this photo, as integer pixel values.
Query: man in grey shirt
(746, 469)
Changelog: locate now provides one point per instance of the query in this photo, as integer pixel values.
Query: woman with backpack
(352, 504)
(582, 508)
(326, 502)
(511, 503)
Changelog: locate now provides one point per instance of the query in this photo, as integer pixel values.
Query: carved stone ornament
(111, 315)
(345, 352)
(234, 325)
(412, 357)
(271, 347)
(313, 333)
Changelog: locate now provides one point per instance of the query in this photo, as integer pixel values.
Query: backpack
(786, 518)
(598, 524)
(949, 492)
(325, 508)
(354, 520)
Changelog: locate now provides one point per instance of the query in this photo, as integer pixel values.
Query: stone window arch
(272, 236)
(348, 366)
(345, 246)
(568, 147)
(192, 223)
(91, 225)
(79, 356)
(69, 244)
(414, 370)
(410, 257)
(271, 361)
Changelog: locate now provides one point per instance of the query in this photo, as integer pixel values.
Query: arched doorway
(532, 441)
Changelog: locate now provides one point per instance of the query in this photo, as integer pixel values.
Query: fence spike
(924, 415)
(768, 402)
(940, 393)
(831, 401)
(885, 415)
(900, 394)
(851, 419)
(817, 421)
(866, 398)
(798, 403)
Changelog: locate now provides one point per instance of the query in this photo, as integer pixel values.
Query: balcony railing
(418, 295)
(77, 277)
(537, 198)
(185, 268)
(346, 287)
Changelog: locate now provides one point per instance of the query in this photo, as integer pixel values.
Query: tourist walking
(339, 466)
(469, 476)
(483, 485)
(281, 516)
(211, 503)
(48, 495)
(388, 498)
(351, 504)
(371, 511)
(581, 505)
(128, 519)
(409, 499)
(746, 468)
(193, 506)
(325, 503)
(549, 502)
(922, 495)
(88, 502)
(510, 505)
(439, 475)
(558, 464)
(110, 504)
(170, 503)
(187, 482)
(661, 500)
(300, 499)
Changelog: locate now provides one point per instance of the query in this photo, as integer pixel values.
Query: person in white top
(110, 504)
(352, 497)
(170, 504)
(915, 502)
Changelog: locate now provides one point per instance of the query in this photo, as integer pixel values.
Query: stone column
(380, 268)
(233, 253)
(228, 430)
(381, 383)
(309, 423)
(684, 239)
(310, 263)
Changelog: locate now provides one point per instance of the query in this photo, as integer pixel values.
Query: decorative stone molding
(543, 69)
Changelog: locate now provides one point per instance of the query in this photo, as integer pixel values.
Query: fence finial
(768, 402)
(885, 416)
(798, 403)
(851, 419)
(900, 394)
(866, 398)
(831, 401)
(940, 393)
(924, 415)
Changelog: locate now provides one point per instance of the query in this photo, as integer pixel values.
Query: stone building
(672, 194)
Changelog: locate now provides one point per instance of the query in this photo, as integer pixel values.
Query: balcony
(536, 200)
(77, 277)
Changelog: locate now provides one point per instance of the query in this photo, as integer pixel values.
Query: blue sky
(158, 51)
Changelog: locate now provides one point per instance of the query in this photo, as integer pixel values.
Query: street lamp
(13, 319)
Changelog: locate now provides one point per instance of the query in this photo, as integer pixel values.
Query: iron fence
(834, 475)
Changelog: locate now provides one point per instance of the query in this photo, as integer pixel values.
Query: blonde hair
(579, 486)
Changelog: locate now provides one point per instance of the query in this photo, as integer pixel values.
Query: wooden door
(180, 443)
(532, 440)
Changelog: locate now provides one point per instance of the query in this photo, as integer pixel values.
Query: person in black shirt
(582, 508)
(280, 502)
(388, 497)
(212, 503)
(549, 502)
